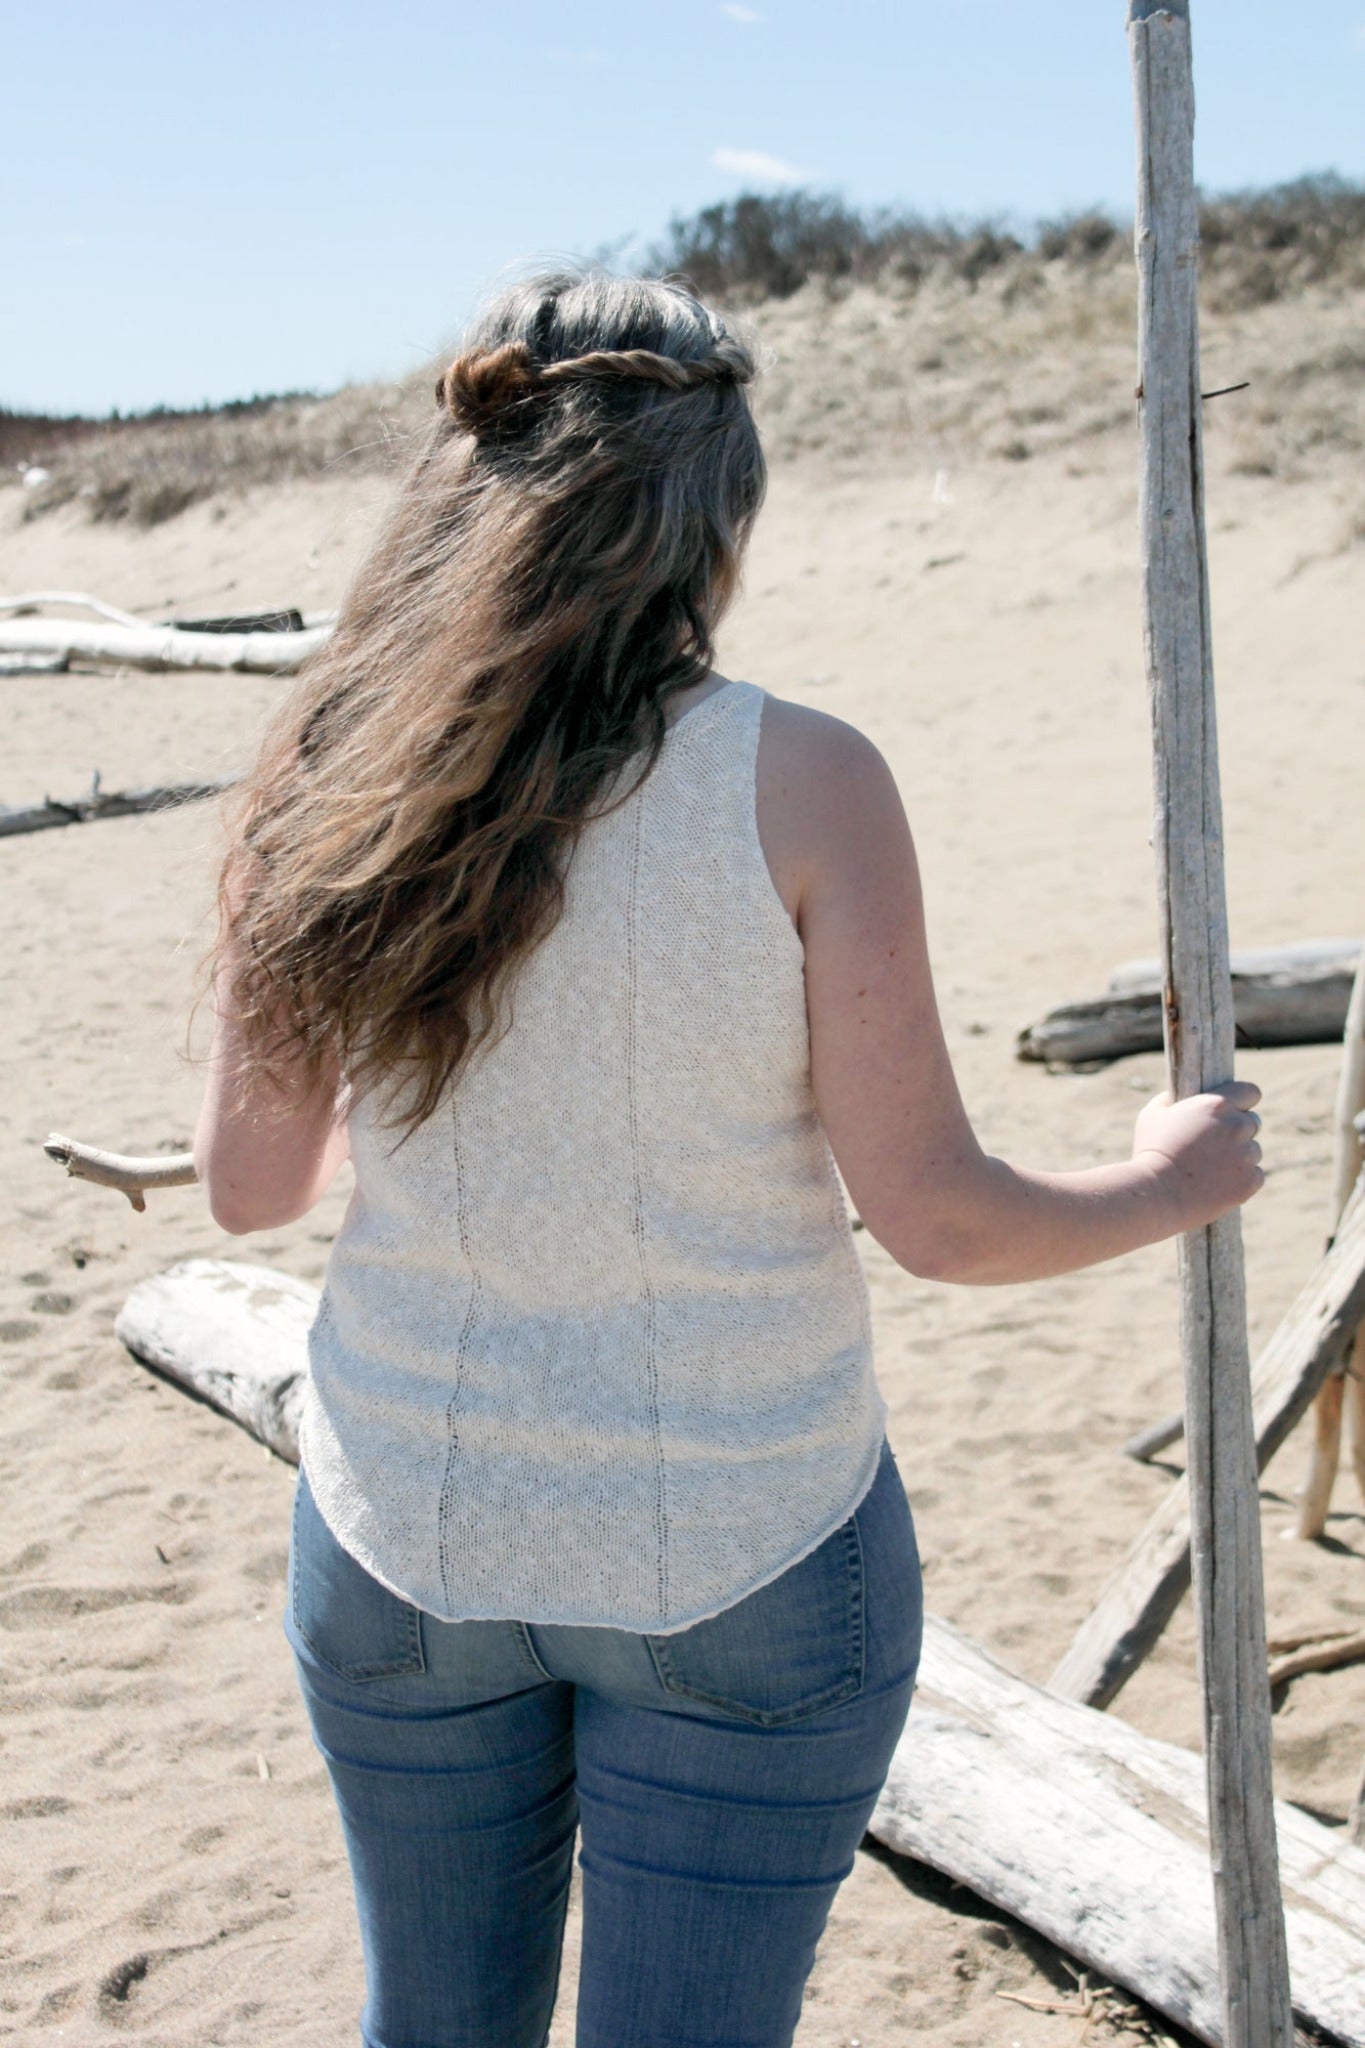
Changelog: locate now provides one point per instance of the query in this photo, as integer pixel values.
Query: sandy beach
(171, 1869)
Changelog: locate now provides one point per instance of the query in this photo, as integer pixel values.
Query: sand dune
(172, 1870)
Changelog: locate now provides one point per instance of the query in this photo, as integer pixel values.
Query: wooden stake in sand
(1346, 1160)
(1224, 1497)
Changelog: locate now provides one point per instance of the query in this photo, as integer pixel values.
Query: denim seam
(838, 1694)
(522, 1634)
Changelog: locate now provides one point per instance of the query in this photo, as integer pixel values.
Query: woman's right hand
(1202, 1150)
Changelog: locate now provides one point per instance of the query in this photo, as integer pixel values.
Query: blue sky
(201, 202)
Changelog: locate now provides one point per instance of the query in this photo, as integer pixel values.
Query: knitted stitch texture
(594, 1345)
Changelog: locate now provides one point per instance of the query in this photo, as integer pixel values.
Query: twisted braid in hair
(484, 387)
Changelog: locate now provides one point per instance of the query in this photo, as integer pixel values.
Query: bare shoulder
(825, 798)
(801, 744)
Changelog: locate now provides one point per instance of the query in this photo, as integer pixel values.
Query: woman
(597, 962)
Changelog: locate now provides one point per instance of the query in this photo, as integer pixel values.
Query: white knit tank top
(594, 1345)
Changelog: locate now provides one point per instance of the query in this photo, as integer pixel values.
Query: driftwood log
(100, 803)
(1147, 1588)
(1083, 1828)
(1287, 995)
(1095, 1835)
(1187, 838)
(234, 1334)
(161, 647)
(130, 1176)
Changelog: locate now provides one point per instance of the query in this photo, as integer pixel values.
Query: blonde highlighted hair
(551, 574)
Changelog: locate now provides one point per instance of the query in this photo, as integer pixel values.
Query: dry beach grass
(948, 559)
(884, 334)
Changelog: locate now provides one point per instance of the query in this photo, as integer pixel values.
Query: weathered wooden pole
(1188, 838)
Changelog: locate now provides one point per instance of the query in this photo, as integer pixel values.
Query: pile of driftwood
(266, 643)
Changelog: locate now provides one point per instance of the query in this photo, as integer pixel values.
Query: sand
(171, 1867)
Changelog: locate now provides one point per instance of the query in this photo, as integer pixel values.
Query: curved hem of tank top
(860, 1493)
(674, 1628)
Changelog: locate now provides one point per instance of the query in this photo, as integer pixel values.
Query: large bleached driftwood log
(161, 647)
(1095, 1835)
(1285, 995)
(1080, 1826)
(236, 1335)
(1148, 1586)
(99, 803)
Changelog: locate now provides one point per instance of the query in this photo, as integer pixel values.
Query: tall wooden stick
(1188, 838)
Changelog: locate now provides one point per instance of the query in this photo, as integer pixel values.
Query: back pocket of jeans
(788, 1650)
(348, 1621)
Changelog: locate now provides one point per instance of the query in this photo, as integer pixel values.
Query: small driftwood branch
(1291, 995)
(33, 600)
(1315, 1498)
(162, 647)
(1295, 1638)
(1157, 1436)
(1087, 1830)
(1327, 1655)
(53, 812)
(1145, 1591)
(132, 1177)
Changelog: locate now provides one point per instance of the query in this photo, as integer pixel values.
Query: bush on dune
(756, 247)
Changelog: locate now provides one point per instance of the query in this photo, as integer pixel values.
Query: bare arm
(841, 856)
(267, 1152)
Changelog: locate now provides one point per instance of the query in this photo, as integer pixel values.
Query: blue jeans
(722, 1778)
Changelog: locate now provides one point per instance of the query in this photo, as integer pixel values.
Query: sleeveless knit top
(594, 1344)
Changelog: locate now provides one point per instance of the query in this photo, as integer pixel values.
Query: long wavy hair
(551, 574)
